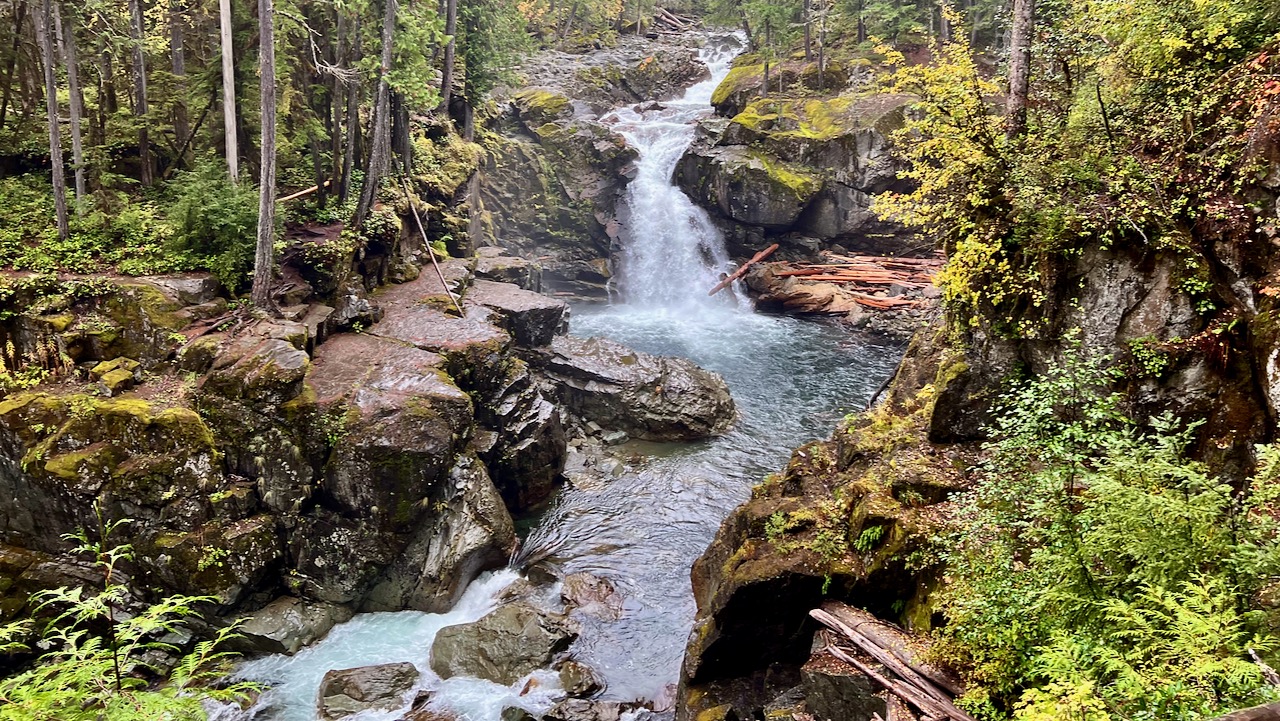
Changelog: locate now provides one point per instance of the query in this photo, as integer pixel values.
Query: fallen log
(902, 690)
(895, 641)
(742, 270)
(301, 193)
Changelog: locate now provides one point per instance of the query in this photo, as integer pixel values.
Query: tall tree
(1024, 14)
(178, 62)
(451, 31)
(228, 90)
(263, 261)
(140, 107)
(66, 21)
(45, 38)
(380, 147)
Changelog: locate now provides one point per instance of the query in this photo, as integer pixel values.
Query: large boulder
(369, 688)
(288, 623)
(470, 530)
(747, 185)
(531, 318)
(523, 440)
(650, 397)
(502, 647)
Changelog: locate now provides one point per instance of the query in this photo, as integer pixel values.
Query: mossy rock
(223, 559)
(749, 186)
(538, 106)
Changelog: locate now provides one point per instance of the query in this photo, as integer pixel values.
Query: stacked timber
(858, 286)
(665, 21)
(914, 688)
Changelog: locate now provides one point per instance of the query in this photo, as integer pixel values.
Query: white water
(792, 380)
(672, 253)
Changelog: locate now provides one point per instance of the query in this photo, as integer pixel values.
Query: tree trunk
(353, 122)
(229, 91)
(768, 47)
(263, 261)
(45, 37)
(1024, 13)
(808, 33)
(450, 29)
(380, 147)
(19, 13)
(178, 60)
(72, 60)
(140, 109)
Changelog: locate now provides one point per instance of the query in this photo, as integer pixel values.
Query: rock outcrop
(368, 688)
(649, 397)
(503, 647)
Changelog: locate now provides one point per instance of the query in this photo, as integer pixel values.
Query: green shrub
(1095, 572)
(216, 222)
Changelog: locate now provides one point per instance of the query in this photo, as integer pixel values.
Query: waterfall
(672, 253)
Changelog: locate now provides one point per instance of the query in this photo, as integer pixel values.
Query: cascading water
(640, 529)
(672, 253)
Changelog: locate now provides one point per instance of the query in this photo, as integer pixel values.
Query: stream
(792, 380)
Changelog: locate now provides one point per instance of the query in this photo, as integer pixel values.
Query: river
(792, 381)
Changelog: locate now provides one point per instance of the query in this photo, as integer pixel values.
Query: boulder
(836, 691)
(367, 688)
(187, 288)
(469, 531)
(649, 397)
(580, 680)
(591, 595)
(578, 709)
(494, 264)
(524, 445)
(531, 318)
(748, 185)
(288, 623)
(394, 423)
(502, 647)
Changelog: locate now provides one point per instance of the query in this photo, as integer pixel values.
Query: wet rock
(336, 559)
(648, 397)
(394, 422)
(531, 318)
(368, 688)
(188, 288)
(288, 623)
(257, 370)
(591, 595)
(747, 185)
(527, 449)
(576, 709)
(580, 680)
(494, 264)
(502, 647)
(515, 713)
(837, 691)
(224, 559)
(470, 530)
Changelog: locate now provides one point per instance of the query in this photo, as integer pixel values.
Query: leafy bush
(215, 222)
(1097, 573)
(90, 675)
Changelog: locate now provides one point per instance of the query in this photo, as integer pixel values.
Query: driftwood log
(903, 673)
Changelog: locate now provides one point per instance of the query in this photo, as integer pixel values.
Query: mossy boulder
(223, 559)
(537, 106)
(748, 186)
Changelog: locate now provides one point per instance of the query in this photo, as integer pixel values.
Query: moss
(82, 464)
(739, 78)
(60, 322)
(799, 183)
(542, 106)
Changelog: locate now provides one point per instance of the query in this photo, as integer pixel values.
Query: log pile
(888, 656)
(666, 21)
(863, 275)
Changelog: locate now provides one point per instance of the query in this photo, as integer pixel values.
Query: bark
(178, 61)
(768, 46)
(450, 29)
(808, 33)
(140, 107)
(1024, 13)
(72, 60)
(19, 17)
(263, 261)
(380, 147)
(229, 90)
(353, 124)
(45, 38)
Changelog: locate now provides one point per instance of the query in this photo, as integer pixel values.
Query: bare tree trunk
(263, 261)
(72, 60)
(1024, 13)
(380, 147)
(19, 13)
(178, 61)
(450, 29)
(768, 47)
(353, 123)
(808, 33)
(45, 38)
(140, 109)
(229, 91)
